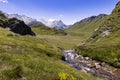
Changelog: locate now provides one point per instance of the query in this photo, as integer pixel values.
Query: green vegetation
(43, 30)
(32, 58)
(105, 47)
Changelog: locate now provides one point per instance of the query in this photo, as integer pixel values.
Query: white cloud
(51, 20)
(4, 1)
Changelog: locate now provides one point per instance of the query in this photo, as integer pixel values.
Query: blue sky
(69, 11)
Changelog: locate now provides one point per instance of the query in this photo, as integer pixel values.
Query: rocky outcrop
(19, 27)
(15, 25)
(96, 68)
(110, 24)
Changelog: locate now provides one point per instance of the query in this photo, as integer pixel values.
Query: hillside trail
(96, 68)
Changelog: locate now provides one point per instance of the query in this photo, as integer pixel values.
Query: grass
(33, 58)
(64, 42)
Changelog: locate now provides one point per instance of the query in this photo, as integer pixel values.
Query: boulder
(19, 27)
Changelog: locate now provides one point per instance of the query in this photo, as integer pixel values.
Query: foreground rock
(96, 68)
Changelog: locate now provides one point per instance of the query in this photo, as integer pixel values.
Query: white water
(71, 58)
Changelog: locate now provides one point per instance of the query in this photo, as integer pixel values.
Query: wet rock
(86, 58)
(103, 64)
(97, 65)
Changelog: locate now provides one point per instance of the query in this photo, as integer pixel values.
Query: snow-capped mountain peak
(52, 23)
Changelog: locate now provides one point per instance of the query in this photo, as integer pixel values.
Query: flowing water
(96, 68)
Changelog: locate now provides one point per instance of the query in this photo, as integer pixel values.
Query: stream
(96, 68)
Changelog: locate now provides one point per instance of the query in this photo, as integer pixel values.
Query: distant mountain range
(57, 24)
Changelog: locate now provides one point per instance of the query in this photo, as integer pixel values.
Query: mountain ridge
(110, 25)
(58, 24)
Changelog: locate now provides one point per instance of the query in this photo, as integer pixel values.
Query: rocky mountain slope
(15, 25)
(104, 44)
(110, 25)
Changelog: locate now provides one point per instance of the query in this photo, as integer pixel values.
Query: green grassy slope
(32, 58)
(87, 26)
(105, 47)
(43, 30)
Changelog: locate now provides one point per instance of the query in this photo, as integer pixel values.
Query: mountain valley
(50, 50)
